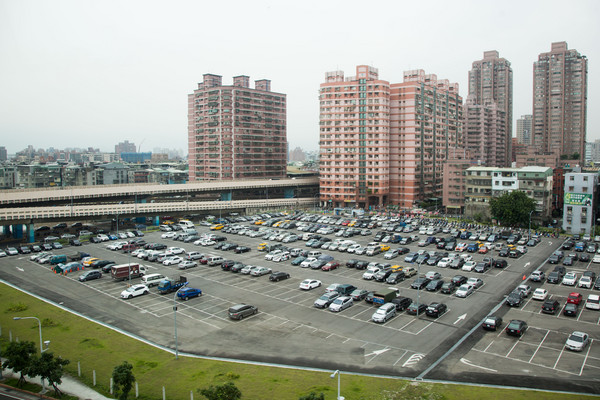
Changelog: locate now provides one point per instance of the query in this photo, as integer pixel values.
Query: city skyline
(95, 70)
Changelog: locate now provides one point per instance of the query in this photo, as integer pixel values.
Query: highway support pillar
(288, 193)
(30, 233)
(156, 221)
(226, 196)
(17, 231)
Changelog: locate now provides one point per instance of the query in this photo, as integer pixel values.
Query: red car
(331, 265)
(574, 298)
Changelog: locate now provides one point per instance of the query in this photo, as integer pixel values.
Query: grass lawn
(101, 349)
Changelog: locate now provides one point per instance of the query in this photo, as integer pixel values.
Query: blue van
(58, 259)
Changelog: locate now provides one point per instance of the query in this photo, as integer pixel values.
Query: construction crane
(140, 145)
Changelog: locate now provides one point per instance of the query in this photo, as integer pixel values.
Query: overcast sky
(93, 73)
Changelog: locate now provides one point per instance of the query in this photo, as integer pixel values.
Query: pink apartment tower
(236, 132)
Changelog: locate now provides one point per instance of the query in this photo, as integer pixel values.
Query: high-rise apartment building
(488, 110)
(524, 129)
(3, 153)
(384, 144)
(125, 147)
(560, 102)
(236, 132)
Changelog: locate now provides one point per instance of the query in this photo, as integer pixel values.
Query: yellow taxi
(384, 247)
(216, 227)
(89, 261)
(262, 246)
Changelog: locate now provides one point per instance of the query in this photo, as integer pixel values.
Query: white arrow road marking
(376, 352)
(20, 269)
(469, 363)
(415, 358)
(527, 264)
(460, 318)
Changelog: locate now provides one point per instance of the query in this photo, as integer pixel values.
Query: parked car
(309, 284)
(341, 303)
(415, 309)
(550, 306)
(134, 291)
(540, 294)
(278, 276)
(241, 311)
(577, 341)
(514, 299)
(326, 299)
(492, 323)
(436, 310)
(516, 328)
(187, 293)
(90, 274)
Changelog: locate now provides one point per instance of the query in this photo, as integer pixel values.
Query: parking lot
(349, 340)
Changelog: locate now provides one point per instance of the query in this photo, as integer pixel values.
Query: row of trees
(23, 359)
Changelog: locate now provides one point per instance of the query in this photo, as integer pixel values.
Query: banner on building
(578, 199)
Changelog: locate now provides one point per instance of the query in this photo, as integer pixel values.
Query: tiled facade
(560, 102)
(488, 110)
(483, 183)
(384, 144)
(454, 181)
(579, 202)
(524, 129)
(236, 132)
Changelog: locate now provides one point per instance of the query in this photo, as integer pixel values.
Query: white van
(314, 253)
(153, 279)
(184, 223)
(593, 302)
(214, 260)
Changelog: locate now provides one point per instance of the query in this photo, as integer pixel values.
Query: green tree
(512, 208)
(50, 368)
(20, 357)
(227, 391)
(123, 379)
(313, 396)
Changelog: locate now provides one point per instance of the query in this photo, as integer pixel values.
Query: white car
(586, 282)
(282, 257)
(570, 279)
(596, 259)
(469, 265)
(309, 284)
(272, 254)
(175, 250)
(539, 294)
(260, 271)
(370, 273)
(168, 235)
(475, 282)
(577, 341)
(464, 290)
(246, 270)
(103, 238)
(172, 260)
(116, 245)
(524, 289)
(134, 291)
(353, 248)
(466, 257)
(444, 262)
(306, 263)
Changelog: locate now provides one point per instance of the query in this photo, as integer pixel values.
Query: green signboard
(578, 199)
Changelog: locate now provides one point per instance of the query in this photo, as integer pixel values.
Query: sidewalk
(69, 385)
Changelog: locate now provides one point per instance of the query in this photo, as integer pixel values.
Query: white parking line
(540, 345)
(558, 359)
(512, 348)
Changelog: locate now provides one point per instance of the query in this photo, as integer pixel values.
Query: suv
(550, 306)
(239, 311)
(383, 313)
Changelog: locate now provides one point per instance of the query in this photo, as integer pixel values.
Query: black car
(584, 257)
(89, 275)
(568, 261)
(241, 249)
(228, 246)
(420, 283)
(382, 275)
(434, 285)
(492, 323)
(237, 267)
(553, 259)
(100, 263)
(278, 276)
(395, 277)
(448, 287)
(361, 265)
(74, 242)
(369, 297)
(504, 252)
(436, 310)
(402, 303)
(568, 245)
(24, 250)
(550, 306)
(571, 309)
(555, 277)
(107, 267)
(413, 309)
(514, 299)
(500, 264)
(351, 263)
(227, 264)
(459, 280)
(597, 284)
(93, 239)
(516, 328)
(481, 267)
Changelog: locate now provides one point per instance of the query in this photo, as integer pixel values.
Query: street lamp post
(47, 343)
(419, 287)
(338, 373)
(175, 319)
(530, 213)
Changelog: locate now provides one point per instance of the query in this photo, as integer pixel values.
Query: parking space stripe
(540, 345)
